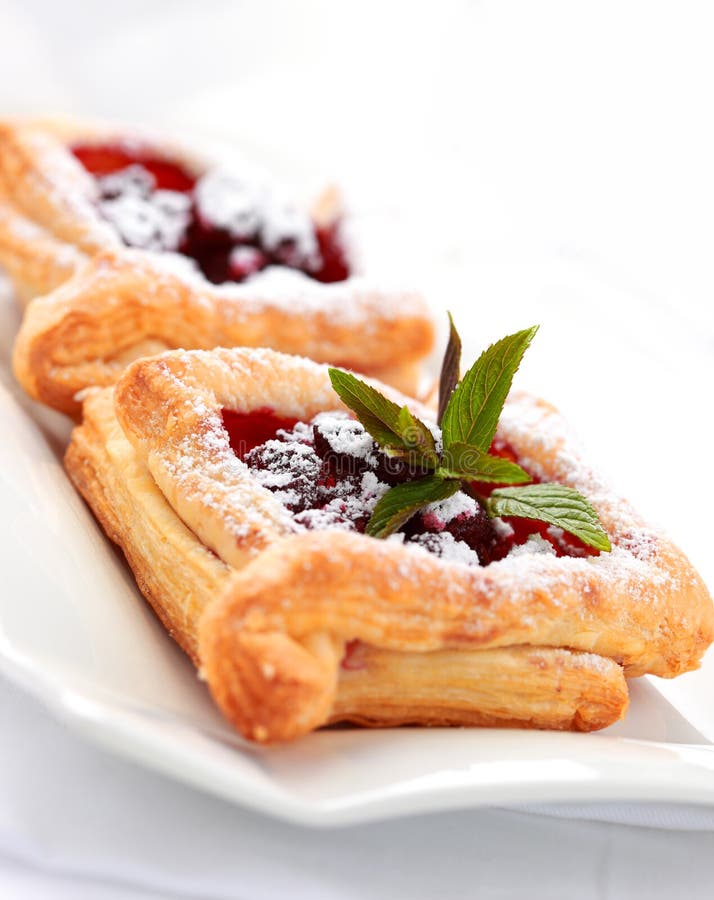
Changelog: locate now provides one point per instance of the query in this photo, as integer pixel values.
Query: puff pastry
(148, 258)
(70, 189)
(294, 628)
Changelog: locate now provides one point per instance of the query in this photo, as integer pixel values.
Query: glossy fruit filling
(329, 473)
(230, 225)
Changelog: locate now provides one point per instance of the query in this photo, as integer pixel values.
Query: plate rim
(125, 734)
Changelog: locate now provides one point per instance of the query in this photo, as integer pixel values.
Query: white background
(524, 162)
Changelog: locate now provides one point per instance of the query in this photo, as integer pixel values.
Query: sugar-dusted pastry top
(139, 246)
(125, 305)
(91, 188)
(229, 223)
(651, 609)
(538, 687)
(237, 486)
(330, 473)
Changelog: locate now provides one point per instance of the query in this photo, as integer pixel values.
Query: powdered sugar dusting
(287, 483)
(345, 435)
(330, 474)
(345, 510)
(143, 216)
(123, 208)
(358, 302)
(531, 571)
(203, 475)
(445, 546)
(534, 544)
(623, 604)
(547, 448)
(459, 504)
(247, 206)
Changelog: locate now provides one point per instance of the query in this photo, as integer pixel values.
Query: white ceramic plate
(75, 631)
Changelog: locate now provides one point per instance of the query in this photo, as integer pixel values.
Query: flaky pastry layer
(104, 304)
(533, 640)
(181, 579)
(49, 223)
(121, 307)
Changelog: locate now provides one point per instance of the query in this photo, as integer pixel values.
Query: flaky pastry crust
(104, 304)
(49, 226)
(120, 307)
(49, 223)
(295, 629)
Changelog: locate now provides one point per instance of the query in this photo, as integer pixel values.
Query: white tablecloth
(577, 130)
(78, 823)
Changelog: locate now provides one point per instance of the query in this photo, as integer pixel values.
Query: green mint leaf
(379, 415)
(473, 411)
(464, 461)
(400, 503)
(394, 428)
(553, 503)
(450, 369)
(417, 436)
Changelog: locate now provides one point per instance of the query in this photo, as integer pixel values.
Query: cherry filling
(525, 530)
(107, 159)
(329, 473)
(249, 430)
(230, 226)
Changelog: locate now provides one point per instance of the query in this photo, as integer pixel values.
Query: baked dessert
(319, 567)
(139, 245)
(69, 190)
(121, 307)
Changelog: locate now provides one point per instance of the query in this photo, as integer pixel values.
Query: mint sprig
(556, 504)
(450, 369)
(469, 411)
(464, 461)
(474, 409)
(379, 415)
(400, 503)
(417, 437)
(393, 427)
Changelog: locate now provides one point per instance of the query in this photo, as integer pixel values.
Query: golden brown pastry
(225, 477)
(119, 308)
(70, 189)
(138, 245)
(49, 224)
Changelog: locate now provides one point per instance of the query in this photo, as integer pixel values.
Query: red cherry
(334, 265)
(220, 255)
(104, 159)
(245, 261)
